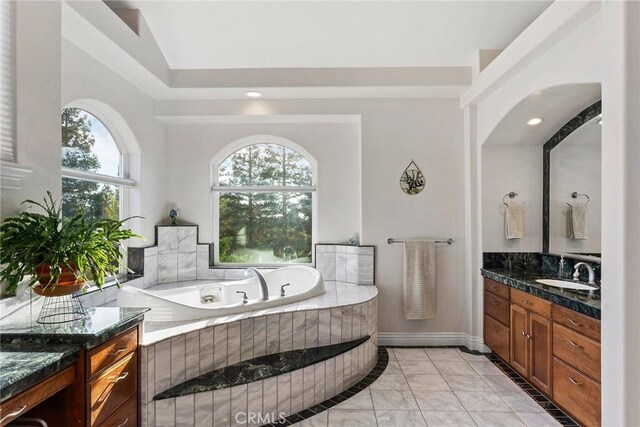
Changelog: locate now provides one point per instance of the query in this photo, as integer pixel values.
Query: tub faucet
(576, 274)
(264, 290)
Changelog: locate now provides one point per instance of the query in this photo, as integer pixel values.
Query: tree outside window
(88, 146)
(265, 206)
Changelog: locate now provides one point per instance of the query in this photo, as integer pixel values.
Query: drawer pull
(493, 288)
(526, 302)
(126, 420)
(574, 323)
(13, 414)
(118, 351)
(494, 302)
(574, 344)
(574, 382)
(495, 329)
(120, 378)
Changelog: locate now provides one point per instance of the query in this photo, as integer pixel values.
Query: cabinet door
(519, 341)
(540, 349)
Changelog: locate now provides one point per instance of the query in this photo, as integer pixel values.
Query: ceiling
(556, 106)
(319, 34)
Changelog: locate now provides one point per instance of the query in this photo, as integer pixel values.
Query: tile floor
(437, 387)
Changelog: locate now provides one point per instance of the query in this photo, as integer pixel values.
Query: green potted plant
(59, 254)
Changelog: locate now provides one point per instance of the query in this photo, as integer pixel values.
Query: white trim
(262, 189)
(433, 339)
(11, 174)
(97, 177)
(262, 119)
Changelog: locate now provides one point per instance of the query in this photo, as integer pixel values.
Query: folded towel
(419, 286)
(577, 221)
(514, 221)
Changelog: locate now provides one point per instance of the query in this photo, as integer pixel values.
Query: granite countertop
(99, 325)
(24, 366)
(579, 301)
(31, 352)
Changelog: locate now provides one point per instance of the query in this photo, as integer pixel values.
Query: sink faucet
(576, 273)
(264, 290)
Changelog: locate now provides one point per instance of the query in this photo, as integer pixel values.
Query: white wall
(393, 132)
(38, 133)
(506, 169)
(335, 147)
(144, 137)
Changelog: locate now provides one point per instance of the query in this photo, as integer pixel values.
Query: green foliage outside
(92, 199)
(265, 227)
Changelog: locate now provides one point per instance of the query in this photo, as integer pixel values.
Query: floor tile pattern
(443, 386)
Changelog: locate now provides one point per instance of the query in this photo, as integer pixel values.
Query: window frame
(121, 180)
(217, 189)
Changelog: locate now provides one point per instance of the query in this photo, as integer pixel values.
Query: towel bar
(449, 241)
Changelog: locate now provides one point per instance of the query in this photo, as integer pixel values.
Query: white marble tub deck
(337, 294)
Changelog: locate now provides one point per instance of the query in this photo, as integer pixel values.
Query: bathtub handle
(245, 299)
(282, 289)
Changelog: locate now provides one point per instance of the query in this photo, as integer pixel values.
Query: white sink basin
(566, 284)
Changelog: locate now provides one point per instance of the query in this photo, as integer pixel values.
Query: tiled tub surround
(346, 263)
(173, 354)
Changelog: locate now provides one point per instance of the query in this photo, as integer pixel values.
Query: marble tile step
(260, 368)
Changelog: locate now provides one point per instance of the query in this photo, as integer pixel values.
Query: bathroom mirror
(572, 186)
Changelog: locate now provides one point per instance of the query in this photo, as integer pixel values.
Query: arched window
(264, 198)
(92, 167)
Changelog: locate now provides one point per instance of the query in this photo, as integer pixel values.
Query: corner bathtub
(186, 300)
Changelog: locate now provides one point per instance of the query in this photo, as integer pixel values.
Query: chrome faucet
(264, 290)
(576, 273)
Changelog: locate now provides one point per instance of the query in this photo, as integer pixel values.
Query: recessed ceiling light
(534, 121)
(254, 94)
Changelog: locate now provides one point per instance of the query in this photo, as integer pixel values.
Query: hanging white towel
(514, 221)
(419, 287)
(577, 221)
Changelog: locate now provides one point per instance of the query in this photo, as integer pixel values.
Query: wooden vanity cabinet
(496, 318)
(100, 390)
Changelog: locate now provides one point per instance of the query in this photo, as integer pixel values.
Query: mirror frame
(581, 118)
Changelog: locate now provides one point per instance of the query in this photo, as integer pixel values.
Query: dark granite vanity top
(24, 366)
(31, 352)
(99, 325)
(525, 281)
(259, 368)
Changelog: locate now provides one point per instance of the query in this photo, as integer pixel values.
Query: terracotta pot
(67, 276)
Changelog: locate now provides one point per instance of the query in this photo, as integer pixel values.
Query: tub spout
(264, 290)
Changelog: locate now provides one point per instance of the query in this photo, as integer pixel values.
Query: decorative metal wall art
(412, 180)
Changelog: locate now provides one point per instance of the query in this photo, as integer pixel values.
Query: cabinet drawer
(126, 415)
(496, 288)
(112, 351)
(577, 350)
(531, 303)
(112, 388)
(496, 307)
(576, 393)
(578, 322)
(496, 337)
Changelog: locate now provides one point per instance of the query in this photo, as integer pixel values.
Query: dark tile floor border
(378, 369)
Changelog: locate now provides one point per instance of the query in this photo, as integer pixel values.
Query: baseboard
(432, 339)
